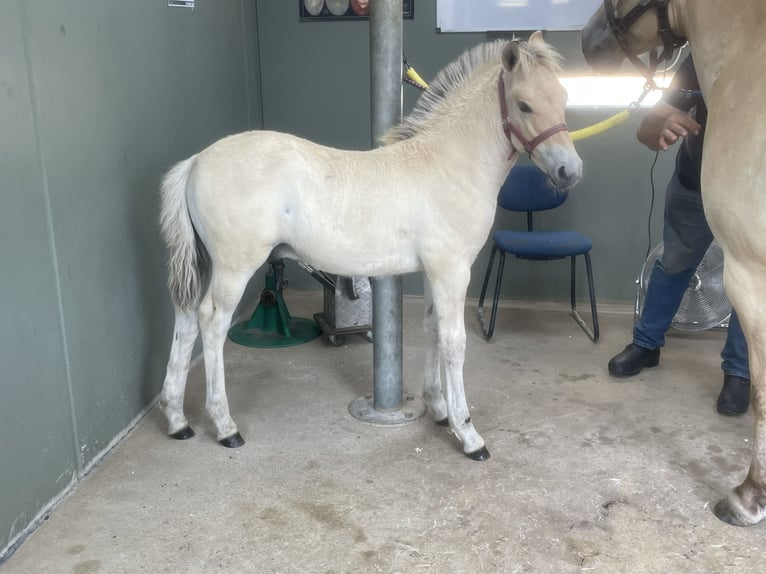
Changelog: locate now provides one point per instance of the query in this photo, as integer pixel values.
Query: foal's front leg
(449, 305)
(432, 385)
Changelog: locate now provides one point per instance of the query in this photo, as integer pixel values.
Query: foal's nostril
(563, 175)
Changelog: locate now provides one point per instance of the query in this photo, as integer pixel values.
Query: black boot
(735, 396)
(632, 361)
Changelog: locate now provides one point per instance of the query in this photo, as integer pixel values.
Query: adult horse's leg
(432, 385)
(172, 396)
(215, 311)
(746, 504)
(449, 305)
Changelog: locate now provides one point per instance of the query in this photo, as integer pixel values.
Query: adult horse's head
(533, 103)
(622, 29)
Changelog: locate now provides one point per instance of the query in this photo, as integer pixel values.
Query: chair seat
(542, 244)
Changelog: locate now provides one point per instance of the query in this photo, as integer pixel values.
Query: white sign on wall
(512, 15)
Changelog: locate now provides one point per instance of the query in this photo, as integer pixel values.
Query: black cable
(651, 205)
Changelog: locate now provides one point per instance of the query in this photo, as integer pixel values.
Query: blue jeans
(686, 237)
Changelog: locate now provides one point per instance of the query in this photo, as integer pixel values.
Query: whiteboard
(511, 15)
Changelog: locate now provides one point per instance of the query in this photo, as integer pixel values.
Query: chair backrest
(527, 189)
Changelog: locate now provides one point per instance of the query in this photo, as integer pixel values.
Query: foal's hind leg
(449, 304)
(215, 311)
(172, 396)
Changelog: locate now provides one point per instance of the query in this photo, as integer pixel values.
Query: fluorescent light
(609, 91)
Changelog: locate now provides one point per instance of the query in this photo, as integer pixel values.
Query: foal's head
(536, 102)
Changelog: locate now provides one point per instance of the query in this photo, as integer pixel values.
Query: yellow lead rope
(601, 126)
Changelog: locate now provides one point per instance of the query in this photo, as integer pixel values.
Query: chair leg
(486, 278)
(572, 283)
(488, 331)
(496, 298)
(592, 293)
(593, 332)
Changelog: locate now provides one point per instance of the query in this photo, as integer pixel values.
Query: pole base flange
(411, 409)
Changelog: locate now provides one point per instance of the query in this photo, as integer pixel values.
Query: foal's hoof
(725, 512)
(233, 441)
(443, 423)
(481, 455)
(183, 434)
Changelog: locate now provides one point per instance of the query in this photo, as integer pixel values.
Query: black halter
(620, 26)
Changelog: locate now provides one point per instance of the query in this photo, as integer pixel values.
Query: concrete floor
(587, 473)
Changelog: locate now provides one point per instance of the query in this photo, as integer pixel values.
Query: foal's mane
(458, 72)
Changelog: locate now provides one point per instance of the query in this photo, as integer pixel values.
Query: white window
(498, 15)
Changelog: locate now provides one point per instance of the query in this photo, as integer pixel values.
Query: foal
(424, 202)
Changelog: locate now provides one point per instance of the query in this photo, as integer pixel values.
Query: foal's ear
(511, 55)
(536, 38)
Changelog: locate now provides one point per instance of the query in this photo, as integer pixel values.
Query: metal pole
(388, 405)
(387, 367)
(385, 66)
(385, 112)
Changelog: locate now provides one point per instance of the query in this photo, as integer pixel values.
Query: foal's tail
(188, 261)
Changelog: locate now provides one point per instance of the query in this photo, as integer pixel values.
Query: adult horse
(730, 58)
(424, 201)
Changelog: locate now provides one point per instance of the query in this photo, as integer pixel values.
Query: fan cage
(704, 304)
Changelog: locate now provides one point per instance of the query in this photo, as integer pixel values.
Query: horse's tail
(188, 261)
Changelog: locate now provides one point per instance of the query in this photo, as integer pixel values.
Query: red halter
(510, 129)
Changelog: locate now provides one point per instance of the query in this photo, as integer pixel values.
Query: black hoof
(723, 512)
(443, 423)
(183, 434)
(481, 455)
(233, 441)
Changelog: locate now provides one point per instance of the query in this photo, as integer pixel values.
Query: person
(681, 113)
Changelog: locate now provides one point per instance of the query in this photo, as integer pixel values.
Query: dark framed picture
(326, 10)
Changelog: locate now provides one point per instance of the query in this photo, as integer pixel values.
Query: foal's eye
(524, 107)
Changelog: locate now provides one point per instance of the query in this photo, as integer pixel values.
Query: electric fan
(704, 304)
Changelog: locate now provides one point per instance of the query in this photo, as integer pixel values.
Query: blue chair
(526, 189)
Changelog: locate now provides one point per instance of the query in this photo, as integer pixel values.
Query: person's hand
(663, 125)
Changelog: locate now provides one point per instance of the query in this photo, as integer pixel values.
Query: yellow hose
(601, 126)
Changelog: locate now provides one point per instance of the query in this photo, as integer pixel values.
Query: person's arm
(663, 125)
(668, 120)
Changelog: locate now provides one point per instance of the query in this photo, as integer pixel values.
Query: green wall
(315, 84)
(97, 99)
